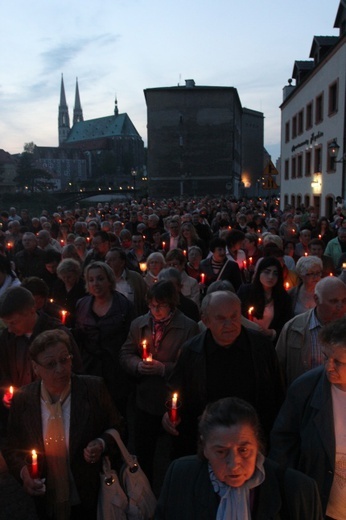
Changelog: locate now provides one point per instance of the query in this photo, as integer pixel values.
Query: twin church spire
(64, 118)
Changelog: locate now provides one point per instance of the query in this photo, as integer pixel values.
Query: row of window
(313, 113)
(307, 163)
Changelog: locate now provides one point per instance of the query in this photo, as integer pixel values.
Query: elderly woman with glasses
(64, 418)
(309, 269)
(149, 354)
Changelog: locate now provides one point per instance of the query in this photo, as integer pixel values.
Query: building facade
(313, 118)
(195, 140)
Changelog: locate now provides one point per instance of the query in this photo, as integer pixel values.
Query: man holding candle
(225, 360)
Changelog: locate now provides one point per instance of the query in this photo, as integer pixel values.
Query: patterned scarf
(235, 502)
(58, 488)
(158, 329)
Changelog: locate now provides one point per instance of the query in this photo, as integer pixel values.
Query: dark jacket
(100, 339)
(231, 272)
(303, 434)
(187, 494)
(189, 380)
(15, 364)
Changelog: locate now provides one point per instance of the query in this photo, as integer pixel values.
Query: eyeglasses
(51, 365)
(318, 274)
(158, 307)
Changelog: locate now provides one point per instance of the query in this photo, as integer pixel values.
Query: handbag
(112, 501)
(140, 499)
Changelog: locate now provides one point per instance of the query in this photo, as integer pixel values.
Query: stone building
(195, 142)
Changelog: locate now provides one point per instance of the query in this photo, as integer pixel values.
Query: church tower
(63, 119)
(77, 111)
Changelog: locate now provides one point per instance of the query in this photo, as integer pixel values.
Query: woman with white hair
(309, 270)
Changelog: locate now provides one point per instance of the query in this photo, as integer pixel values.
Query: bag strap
(128, 458)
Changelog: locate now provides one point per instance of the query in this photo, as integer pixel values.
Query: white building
(313, 117)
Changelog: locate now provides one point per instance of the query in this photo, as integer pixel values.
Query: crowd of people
(237, 307)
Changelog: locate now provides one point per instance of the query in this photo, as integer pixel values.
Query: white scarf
(235, 502)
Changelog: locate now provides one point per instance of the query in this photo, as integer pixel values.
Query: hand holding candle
(7, 399)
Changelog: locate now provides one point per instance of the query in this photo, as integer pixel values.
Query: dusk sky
(121, 47)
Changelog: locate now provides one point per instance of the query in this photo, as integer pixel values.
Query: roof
(302, 66)
(110, 126)
(322, 41)
(6, 158)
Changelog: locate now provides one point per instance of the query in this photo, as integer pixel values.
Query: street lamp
(134, 175)
(333, 150)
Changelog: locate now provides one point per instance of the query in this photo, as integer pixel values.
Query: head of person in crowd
(29, 241)
(176, 258)
(70, 251)
(162, 299)
(43, 238)
(153, 221)
(309, 269)
(18, 311)
(305, 237)
(171, 274)
(289, 247)
(93, 227)
(316, 247)
(99, 279)
(81, 247)
(116, 259)
(231, 439)
(195, 256)
(218, 248)
(173, 227)
(69, 271)
(234, 240)
(330, 298)
(52, 260)
(38, 288)
(155, 262)
(269, 238)
(221, 314)
(333, 339)
(125, 238)
(100, 243)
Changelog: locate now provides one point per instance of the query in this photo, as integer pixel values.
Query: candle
(344, 265)
(287, 286)
(163, 245)
(144, 350)
(331, 274)
(260, 240)
(88, 239)
(250, 313)
(184, 252)
(63, 316)
(9, 246)
(293, 230)
(34, 465)
(319, 236)
(306, 254)
(244, 264)
(8, 397)
(174, 408)
(250, 260)
(143, 266)
(203, 278)
(62, 243)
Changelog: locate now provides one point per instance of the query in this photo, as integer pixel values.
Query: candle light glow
(34, 464)
(250, 313)
(63, 316)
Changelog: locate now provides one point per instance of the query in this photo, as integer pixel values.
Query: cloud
(57, 57)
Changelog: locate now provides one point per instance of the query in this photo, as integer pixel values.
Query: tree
(30, 177)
